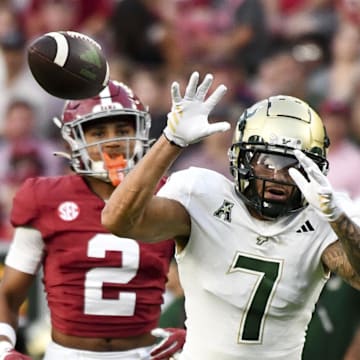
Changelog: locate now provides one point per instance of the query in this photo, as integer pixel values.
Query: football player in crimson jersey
(253, 254)
(104, 292)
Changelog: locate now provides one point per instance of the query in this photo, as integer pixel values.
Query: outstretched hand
(173, 340)
(318, 190)
(188, 120)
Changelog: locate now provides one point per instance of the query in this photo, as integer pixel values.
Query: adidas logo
(305, 227)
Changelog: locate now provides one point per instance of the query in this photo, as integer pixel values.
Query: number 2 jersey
(97, 284)
(250, 286)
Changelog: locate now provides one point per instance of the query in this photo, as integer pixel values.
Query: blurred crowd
(258, 48)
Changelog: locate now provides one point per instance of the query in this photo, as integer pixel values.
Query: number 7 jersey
(97, 284)
(250, 286)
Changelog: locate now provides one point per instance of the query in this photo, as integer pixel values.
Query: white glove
(188, 120)
(318, 190)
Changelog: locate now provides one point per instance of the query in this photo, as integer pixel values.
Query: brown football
(68, 64)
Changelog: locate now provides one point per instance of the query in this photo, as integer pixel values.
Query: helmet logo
(107, 107)
(68, 211)
(285, 141)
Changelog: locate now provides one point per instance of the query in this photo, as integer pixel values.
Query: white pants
(58, 352)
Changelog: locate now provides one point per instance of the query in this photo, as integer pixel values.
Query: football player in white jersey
(253, 254)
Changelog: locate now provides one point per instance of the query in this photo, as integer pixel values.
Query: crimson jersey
(97, 284)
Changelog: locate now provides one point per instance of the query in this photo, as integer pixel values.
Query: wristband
(5, 346)
(9, 332)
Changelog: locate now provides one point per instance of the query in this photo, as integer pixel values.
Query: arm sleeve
(26, 250)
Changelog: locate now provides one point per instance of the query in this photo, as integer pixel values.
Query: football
(68, 64)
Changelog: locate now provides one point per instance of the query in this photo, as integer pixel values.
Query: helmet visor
(269, 165)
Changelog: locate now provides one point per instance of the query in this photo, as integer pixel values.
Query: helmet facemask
(267, 137)
(252, 183)
(107, 168)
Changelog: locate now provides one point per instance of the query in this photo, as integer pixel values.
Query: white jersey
(250, 286)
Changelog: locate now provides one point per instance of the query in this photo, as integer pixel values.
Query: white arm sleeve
(26, 250)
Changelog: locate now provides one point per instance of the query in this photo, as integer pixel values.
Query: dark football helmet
(275, 127)
(115, 101)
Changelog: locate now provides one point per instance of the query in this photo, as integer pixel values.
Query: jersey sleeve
(26, 249)
(176, 188)
(24, 210)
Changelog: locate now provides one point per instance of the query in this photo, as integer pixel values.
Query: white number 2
(94, 302)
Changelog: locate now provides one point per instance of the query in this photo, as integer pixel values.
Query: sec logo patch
(68, 211)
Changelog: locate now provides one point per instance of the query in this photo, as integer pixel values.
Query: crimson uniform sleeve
(24, 210)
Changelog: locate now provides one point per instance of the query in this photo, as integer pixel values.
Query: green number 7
(268, 272)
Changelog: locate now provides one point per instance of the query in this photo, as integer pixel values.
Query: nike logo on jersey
(305, 227)
(224, 211)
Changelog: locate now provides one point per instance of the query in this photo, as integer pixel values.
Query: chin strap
(113, 166)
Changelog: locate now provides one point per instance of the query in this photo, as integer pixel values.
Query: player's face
(275, 182)
(109, 133)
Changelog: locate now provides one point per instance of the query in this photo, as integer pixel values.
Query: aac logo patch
(68, 211)
(224, 211)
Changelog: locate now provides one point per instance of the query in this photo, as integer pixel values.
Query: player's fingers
(305, 161)
(175, 93)
(165, 352)
(215, 97)
(311, 168)
(191, 86)
(204, 87)
(160, 332)
(320, 178)
(298, 178)
(218, 127)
